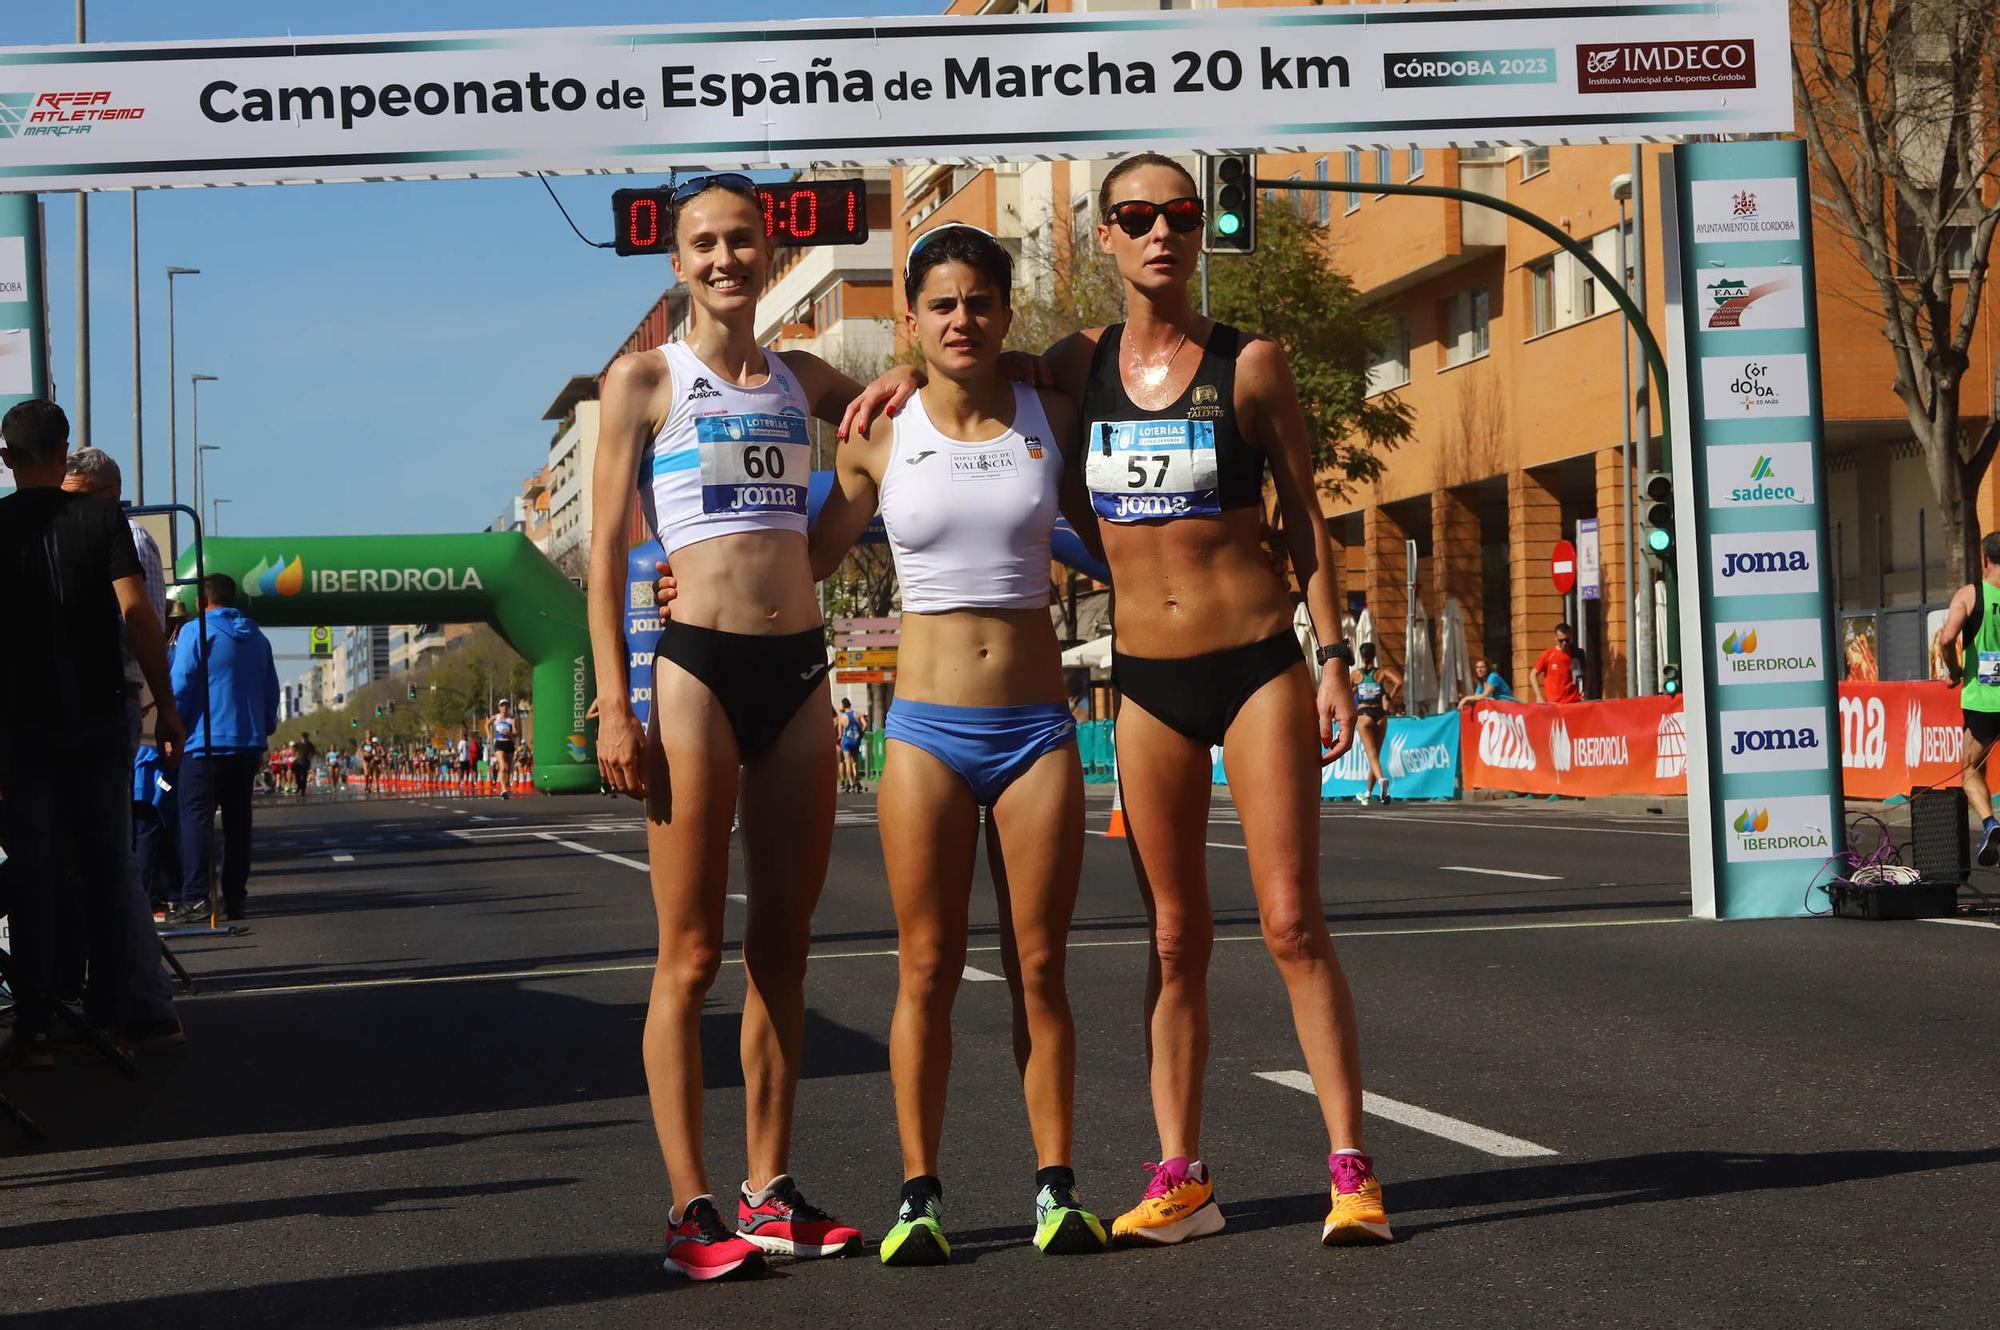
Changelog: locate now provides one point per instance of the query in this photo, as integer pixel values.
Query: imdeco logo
(1666, 66)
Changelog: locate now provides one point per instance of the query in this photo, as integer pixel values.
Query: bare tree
(1900, 104)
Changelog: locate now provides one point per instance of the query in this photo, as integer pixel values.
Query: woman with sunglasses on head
(968, 481)
(713, 430)
(1184, 417)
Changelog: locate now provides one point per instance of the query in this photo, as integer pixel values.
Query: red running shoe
(786, 1224)
(699, 1247)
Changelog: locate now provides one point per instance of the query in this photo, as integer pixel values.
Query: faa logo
(578, 751)
(275, 577)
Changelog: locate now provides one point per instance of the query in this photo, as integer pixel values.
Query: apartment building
(835, 300)
(572, 454)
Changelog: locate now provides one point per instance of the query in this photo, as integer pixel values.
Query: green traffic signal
(1228, 223)
(1227, 198)
(1658, 541)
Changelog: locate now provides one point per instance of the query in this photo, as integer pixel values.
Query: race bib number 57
(1142, 469)
(753, 463)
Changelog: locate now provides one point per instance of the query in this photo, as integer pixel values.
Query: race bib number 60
(753, 463)
(1141, 469)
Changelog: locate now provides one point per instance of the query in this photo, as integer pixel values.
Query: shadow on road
(1650, 1179)
(325, 1061)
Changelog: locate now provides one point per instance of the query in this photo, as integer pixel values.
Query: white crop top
(969, 523)
(728, 459)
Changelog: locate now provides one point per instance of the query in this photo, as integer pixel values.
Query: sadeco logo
(1764, 486)
(275, 577)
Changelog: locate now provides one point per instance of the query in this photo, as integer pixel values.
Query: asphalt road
(413, 1097)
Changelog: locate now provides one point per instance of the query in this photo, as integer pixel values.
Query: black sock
(918, 1190)
(1060, 1176)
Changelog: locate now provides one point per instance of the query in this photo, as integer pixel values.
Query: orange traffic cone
(1117, 827)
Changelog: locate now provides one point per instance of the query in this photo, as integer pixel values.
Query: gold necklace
(1153, 377)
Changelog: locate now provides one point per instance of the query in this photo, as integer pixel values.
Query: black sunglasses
(1135, 217)
(734, 181)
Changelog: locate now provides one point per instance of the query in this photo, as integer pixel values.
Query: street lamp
(215, 510)
(1639, 617)
(195, 381)
(173, 454)
(201, 471)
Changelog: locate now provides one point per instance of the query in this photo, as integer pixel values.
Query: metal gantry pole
(1649, 665)
(138, 380)
(1625, 468)
(80, 425)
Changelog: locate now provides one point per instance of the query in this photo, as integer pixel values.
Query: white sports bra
(969, 523)
(728, 459)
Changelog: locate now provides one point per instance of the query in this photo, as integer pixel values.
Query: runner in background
(1969, 642)
(968, 482)
(712, 430)
(1375, 690)
(1183, 417)
(850, 747)
(504, 731)
(461, 773)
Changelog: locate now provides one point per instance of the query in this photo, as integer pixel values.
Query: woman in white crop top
(968, 480)
(712, 431)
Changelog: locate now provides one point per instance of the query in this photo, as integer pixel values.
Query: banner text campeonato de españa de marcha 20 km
(861, 91)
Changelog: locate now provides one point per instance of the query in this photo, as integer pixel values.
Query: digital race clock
(801, 212)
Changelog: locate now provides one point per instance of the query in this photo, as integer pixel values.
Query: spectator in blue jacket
(229, 726)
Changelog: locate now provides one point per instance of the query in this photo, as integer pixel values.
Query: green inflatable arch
(499, 579)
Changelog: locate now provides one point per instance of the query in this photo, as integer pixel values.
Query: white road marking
(594, 852)
(979, 976)
(561, 972)
(1435, 1124)
(1498, 872)
(343, 858)
(1966, 923)
(739, 898)
(1522, 823)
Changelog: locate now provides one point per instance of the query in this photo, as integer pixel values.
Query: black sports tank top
(1187, 459)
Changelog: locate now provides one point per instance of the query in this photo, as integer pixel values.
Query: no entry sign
(1562, 567)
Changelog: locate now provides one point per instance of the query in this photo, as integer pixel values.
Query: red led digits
(642, 223)
(799, 212)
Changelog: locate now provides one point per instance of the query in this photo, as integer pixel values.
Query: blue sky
(384, 351)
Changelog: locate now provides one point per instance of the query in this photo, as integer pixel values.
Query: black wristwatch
(1338, 651)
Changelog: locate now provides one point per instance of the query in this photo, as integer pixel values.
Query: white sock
(1348, 1150)
(757, 1198)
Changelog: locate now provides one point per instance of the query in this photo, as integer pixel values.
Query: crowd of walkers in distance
(371, 765)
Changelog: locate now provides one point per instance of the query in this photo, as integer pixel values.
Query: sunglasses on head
(1135, 217)
(734, 181)
(936, 231)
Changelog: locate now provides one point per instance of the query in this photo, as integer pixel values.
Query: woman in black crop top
(1184, 418)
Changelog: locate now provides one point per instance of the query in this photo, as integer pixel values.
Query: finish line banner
(857, 92)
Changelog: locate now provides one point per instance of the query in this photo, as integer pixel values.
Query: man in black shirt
(76, 595)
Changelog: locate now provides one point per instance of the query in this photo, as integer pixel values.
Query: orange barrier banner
(1634, 746)
(1894, 738)
(1898, 737)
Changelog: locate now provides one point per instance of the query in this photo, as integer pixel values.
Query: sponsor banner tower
(1764, 771)
(24, 342)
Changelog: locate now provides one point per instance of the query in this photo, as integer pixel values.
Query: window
(1467, 330)
(1296, 197)
(1381, 167)
(1353, 177)
(1391, 365)
(1324, 204)
(1534, 161)
(1416, 163)
(1542, 281)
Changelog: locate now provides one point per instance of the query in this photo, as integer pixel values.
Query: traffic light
(1670, 679)
(378, 711)
(1229, 204)
(413, 692)
(1656, 515)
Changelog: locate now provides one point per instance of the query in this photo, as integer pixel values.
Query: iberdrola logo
(1744, 645)
(1747, 825)
(578, 752)
(275, 577)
